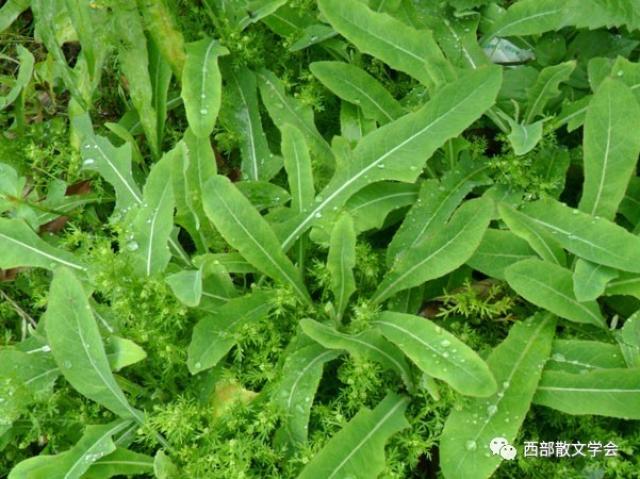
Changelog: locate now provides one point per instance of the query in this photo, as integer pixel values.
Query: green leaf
(371, 206)
(594, 239)
(114, 165)
(610, 153)
(284, 109)
(202, 85)
(356, 86)
(353, 124)
(341, 261)
(10, 11)
(446, 250)
(95, 443)
(134, 63)
(524, 138)
(436, 202)
(160, 75)
(187, 286)
(546, 89)
(369, 344)
(539, 239)
(244, 229)
(77, 347)
(414, 52)
(581, 356)
(360, 442)
(120, 462)
(301, 375)
(153, 223)
(626, 284)
(21, 246)
(630, 204)
(438, 353)
(297, 163)
(590, 279)
(388, 153)
(24, 77)
(604, 392)
(516, 364)
(241, 114)
(163, 467)
(498, 250)
(628, 338)
(215, 334)
(122, 352)
(551, 287)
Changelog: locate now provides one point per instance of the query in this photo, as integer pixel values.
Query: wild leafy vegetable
(318, 239)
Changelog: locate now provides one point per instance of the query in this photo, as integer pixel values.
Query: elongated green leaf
(152, 225)
(297, 162)
(80, 15)
(438, 353)
(160, 75)
(284, 109)
(411, 51)
(341, 261)
(202, 85)
(546, 89)
(134, 63)
(21, 246)
(77, 347)
(551, 287)
(436, 202)
(95, 443)
(610, 153)
(524, 138)
(24, 77)
(169, 41)
(530, 17)
(114, 165)
(626, 284)
(594, 239)
(388, 153)
(240, 113)
(214, 335)
(605, 392)
(580, 356)
(244, 229)
(369, 345)
(358, 449)
(187, 286)
(540, 240)
(498, 250)
(448, 249)
(356, 86)
(301, 375)
(120, 462)
(590, 279)
(10, 11)
(516, 365)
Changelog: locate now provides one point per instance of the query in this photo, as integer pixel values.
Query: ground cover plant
(319, 239)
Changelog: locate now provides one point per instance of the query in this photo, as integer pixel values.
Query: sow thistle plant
(428, 251)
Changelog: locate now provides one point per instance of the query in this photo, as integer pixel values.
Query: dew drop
(471, 445)
(132, 245)
(88, 162)
(198, 365)
(505, 384)
(67, 364)
(558, 357)
(492, 409)
(204, 111)
(318, 215)
(444, 343)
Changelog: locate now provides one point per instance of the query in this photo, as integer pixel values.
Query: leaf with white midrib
(367, 157)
